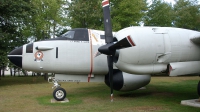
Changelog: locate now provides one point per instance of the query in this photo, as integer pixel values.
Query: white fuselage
(155, 48)
(73, 57)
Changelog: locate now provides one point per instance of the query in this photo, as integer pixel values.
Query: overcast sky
(172, 1)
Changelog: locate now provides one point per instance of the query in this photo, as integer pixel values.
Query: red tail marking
(105, 3)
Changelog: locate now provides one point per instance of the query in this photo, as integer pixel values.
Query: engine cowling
(127, 82)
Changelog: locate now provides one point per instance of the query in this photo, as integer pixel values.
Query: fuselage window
(69, 34)
(81, 35)
(102, 36)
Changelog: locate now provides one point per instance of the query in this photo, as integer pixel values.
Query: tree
(47, 15)
(159, 14)
(85, 14)
(127, 13)
(22, 19)
(187, 14)
(88, 14)
(12, 14)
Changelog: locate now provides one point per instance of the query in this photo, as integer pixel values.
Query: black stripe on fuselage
(17, 51)
(56, 52)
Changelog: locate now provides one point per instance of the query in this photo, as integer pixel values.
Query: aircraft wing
(195, 37)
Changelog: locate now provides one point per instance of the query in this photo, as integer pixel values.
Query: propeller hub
(106, 49)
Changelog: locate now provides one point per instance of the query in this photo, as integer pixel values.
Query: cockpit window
(29, 48)
(78, 34)
(102, 36)
(69, 34)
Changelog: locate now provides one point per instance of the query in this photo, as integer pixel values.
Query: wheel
(59, 94)
(198, 88)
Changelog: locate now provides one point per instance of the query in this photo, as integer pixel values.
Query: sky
(165, 0)
(171, 1)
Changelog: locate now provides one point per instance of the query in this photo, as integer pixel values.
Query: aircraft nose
(15, 56)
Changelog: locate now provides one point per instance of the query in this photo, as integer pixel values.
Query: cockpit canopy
(79, 34)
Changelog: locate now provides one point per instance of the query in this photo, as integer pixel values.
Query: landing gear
(59, 93)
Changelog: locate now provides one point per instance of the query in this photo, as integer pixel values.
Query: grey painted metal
(134, 82)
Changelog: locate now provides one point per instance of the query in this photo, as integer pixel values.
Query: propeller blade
(110, 48)
(107, 21)
(110, 67)
(109, 41)
(124, 43)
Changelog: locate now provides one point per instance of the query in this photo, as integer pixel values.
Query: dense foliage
(23, 20)
(13, 15)
(159, 14)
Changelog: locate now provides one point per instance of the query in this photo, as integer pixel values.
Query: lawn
(33, 94)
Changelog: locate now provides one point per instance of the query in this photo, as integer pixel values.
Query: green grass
(33, 94)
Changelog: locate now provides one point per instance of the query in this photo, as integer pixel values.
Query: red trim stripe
(105, 3)
(91, 57)
(130, 40)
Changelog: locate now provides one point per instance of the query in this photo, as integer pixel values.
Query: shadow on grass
(19, 80)
(170, 92)
(46, 100)
(135, 94)
(166, 91)
(102, 91)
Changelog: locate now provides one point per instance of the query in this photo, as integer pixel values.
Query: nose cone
(15, 56)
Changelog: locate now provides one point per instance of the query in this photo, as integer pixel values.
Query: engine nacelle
(127, 82)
